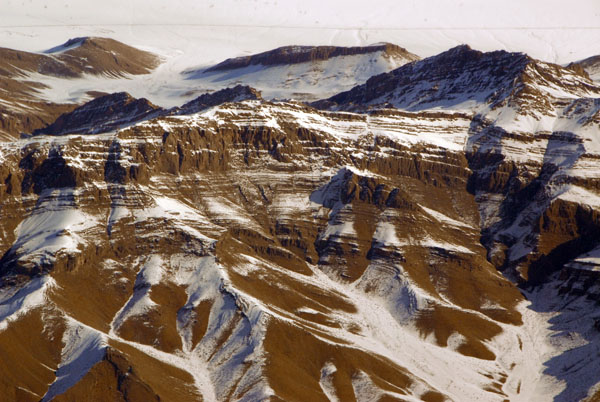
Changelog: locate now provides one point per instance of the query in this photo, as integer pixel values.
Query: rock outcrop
(234, 94)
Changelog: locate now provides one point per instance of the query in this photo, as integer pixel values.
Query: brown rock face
(78, 56)
(235, 94)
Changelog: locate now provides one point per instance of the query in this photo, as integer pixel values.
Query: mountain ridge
(302, 72)
(503, 76)
(303, 54)
(119, 110)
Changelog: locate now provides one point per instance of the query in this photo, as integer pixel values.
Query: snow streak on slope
(558, 335)
(206, 281)
(83, 348)
(382, 333)
(150, 274)
(326, 381)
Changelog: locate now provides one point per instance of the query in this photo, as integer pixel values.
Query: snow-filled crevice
(231, 347)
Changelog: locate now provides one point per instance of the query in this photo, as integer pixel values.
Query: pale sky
(373, 14)
(553, 30)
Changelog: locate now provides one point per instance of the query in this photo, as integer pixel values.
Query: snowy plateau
(299, 223)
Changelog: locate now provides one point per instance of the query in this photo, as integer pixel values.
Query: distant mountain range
(304, 72)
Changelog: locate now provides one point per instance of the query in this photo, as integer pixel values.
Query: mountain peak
(69, 44)
(460, 77)
(234, 94)
(461, 49)
(102, 114)
(464, 55)
(302, 54)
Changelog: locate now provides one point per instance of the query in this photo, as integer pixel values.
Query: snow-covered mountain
(25, 77)
(56, 80)
(591, 65)
(431, 234)
(466, 79)
(303, 72)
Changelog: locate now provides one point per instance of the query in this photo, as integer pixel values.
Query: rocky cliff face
(234, 235)
(591, 66)
(262, 249)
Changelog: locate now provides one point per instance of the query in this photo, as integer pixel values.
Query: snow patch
(385, 234)
(445, 219)
(53, 225)
(326, 381)
(83, 348)
(140, 302)
(181, 215)
(455, 340)
(226, 210)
